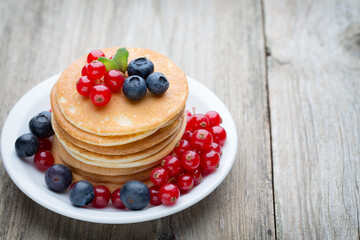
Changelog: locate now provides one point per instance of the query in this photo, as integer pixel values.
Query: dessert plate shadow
(31, 181)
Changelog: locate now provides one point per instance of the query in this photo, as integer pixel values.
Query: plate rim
(170, 210)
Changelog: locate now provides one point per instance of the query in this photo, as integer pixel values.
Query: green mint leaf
(121, 58)
(110, 64)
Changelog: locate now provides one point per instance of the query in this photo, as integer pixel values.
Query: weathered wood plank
(220, 43)
(313, 74)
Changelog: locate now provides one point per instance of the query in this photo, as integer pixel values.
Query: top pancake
(122, 116)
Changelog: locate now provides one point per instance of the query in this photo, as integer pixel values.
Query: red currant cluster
(196, 155)
(97, 82)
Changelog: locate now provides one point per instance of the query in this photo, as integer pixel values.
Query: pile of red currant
(196, 155)
(99, 81)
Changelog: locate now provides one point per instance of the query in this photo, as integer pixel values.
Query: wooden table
(289, 71)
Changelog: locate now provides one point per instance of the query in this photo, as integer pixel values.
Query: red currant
(84, 71)
(73, 184)
(209, 160)
(169, 194)
(154, 196)
(45, 144)
(94, 55)
(196, 174)
(114, 80)
(96, 70)
(159, 176)
(181, 147)
(172, 165)
(188, 114)
(190, 160)
(84, 85)
(43, 159)
(214, 118)
(219, 134)
(201, 140)
(199, 121)
(187, 136)
(216, 147)
(185, 182)
(102, 196)
(116, 200)
(188, 126)
(100, 95)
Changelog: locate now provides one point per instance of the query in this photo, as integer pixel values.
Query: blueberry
(134, 87)
(135, 195)
(82, 193)
(40, 125)
(58, 177)
(46, 114)
(26, 145)
(157, 83)
(141, 67)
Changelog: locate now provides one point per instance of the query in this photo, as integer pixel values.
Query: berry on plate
(101, 196)
(40, 125)
(187, 136)
(157, 83)
(45, 144)
(201, 140)
(172, 165)
(84, 85)
(114, 80)
(26, 145)
(135, 195)
(142, 67)
(198, 121)
(190, 160)
(159, 176)
(169, 194)
(82, 193)
(214, 118)
(43, 159)
(134, 87)
(185, 182)
(209, 160)
(181, 147)
(154, 196)
(116, 200)
(94, 55)
(197, 176)
(219, 134)
(216, 147)
(100, 95)
(58, 177)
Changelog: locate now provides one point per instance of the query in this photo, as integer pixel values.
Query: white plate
(31, 181)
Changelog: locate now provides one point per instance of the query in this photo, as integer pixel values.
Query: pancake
(70, 161)
(122, 116)
(83, 153)
(124, 149)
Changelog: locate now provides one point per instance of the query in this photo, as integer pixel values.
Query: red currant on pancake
(84, 70)
(96, 70)
(172, 165)
(45, 144)
(43, 159)
(185, 182)
(102, 197)
(181, 147)
(201, 140)
(187, 136)
(197, 176)
(159, 176)
(116, 200)
(190, 160)
(154, 196)
(114, 80)
(219, 134)
(100, 95)
(84, 85)
(214, 118)
(199, 121)
(209, 160)
(169, 194)
(94, 55)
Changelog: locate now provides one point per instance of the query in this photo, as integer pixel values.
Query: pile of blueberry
(102, 76)
(196, 155)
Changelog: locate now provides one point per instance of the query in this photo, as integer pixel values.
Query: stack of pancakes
(124, 140)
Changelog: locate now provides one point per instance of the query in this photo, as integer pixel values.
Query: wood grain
(219, 43)
(313, 75)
